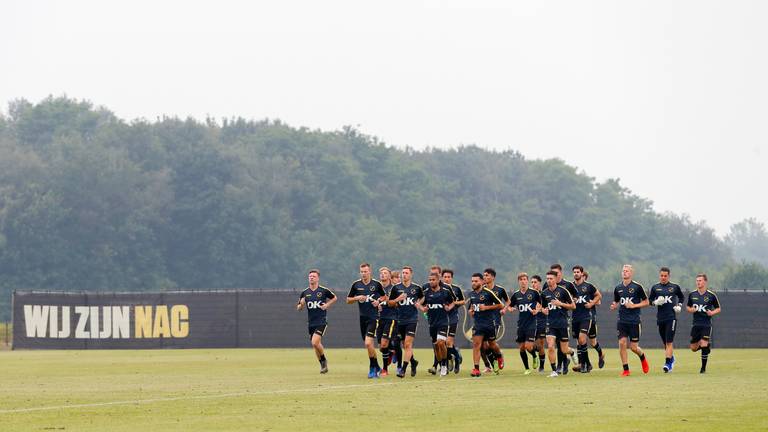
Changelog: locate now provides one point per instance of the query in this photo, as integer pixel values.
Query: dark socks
(399, 354)
(704, 357)
(372, 362)
(598, 349)
(642, 356)
(385, 356)
(484, 356)
(322, 358)
(554, 366)
(626, 367)
(524, 357)
(405, 366)
(669, 360)
(434, 361)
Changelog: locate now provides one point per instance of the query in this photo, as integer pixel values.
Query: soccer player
(387, 320)
(317, 299)
(593, 329)
(496, 359)
(541, 324)
(453, 319)
(703, 304)
(404, 297)
(437, 302)
(482, 304)
(528, 303)
(568, 285)
(556, 301)
(395, 347)
(587, 296)
(669, 298)
(629, 296)
(367, 292)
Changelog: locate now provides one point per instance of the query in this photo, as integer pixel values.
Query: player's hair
(314, 270)
(435, 274)
(552, 273)
(408, 268)
(581, 269)
(628, 265)
(556, 266)
(664, 269)
(537, 277)
(702, 275)
(490, 271)
(395, 273)
(477, 275)
(586, 275)
(365, 264)
(385, 268)
(450, 271)
(522, 275)
(436, 268)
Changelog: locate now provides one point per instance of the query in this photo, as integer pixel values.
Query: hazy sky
(669, 96)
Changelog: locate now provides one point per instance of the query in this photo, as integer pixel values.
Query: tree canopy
(89, 201)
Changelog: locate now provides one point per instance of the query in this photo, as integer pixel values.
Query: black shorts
(541, 329)
(699, 333)
(526, 334)
(560, 333)
(386, 329)
(408, 329)
(487, 332)
(581, 326)
(452, 329)
(368, 327)
(592, 329)
(318, 329)
(631, 331)
(667, 330)
(439, 332)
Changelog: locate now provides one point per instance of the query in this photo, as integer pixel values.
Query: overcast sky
(669, 96)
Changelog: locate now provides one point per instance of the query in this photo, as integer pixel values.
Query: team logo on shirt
(482, 298)
(371, 289)
(671, 289)
(319, 295)
(631, 290)
(706, 298)
(530, 297)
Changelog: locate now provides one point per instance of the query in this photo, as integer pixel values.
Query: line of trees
(91, 202)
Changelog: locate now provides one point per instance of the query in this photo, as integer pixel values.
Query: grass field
(275, 390)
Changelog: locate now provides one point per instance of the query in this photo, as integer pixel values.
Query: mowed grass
(277, 390)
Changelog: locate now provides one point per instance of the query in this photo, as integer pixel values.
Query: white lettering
(36, 320)
(82, 312)
(121, 322)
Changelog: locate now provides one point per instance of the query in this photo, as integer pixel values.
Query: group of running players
(390, 308)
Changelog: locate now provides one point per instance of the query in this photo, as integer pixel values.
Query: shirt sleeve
(301, 295)
(512, 300)
(419, 292)
(616, 295)
(329, 294)
(653, 295)
(690, 300)
(503, 296)
(352, 291)
(569, 298)
(460, 295)
(715, 301)
(494, 298)
(380, 290)
(680, 295)
(641, 293)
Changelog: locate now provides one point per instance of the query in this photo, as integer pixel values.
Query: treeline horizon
(89, 201)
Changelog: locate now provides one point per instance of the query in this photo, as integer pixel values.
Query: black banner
(268, 319)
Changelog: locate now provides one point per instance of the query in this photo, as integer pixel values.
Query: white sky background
(669, 96)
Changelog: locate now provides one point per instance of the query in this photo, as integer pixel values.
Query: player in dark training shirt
(556, 301)
(587, 296)
(703, 304)
(496, 359)
(453, 320)
(395, 347)
(404, 297)
(568, 286)
(434, 269)
(528, 303)
(482, 304)
(438, 301)
(368, 292)
(593, 330)
(317, 300)
(669, 298)
(629, 296)
(387, 320)
(541, 324)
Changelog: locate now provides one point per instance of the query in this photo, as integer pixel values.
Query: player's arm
(301, 303)
(689, 306)
(331, 300)
(351, 297)
(505, 301)
(716, 304)
(597, 297)
(392, 302)
(382, 295)
(451, 299)
(460, 299)
(644, 301)
(497, 303)
(419, 303)
(544, 305)
(615, 302)
(570, 305)
(680, 299)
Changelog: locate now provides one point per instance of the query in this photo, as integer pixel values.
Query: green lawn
(272, 390)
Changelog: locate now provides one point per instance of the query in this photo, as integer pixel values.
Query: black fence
(268, 319)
